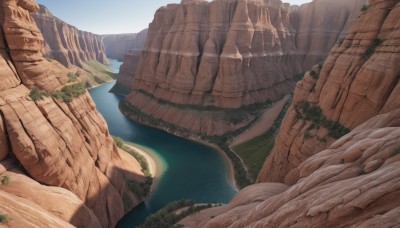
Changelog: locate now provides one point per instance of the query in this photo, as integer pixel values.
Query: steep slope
(56, 143)
(117, 45)
(127, 48)
(350, 182)
(127, 73)
(67, 44)
(228, 55)
(362, 72)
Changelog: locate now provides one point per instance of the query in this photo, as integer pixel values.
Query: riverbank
(227, 161)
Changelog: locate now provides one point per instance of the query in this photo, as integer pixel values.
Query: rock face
(67, 44)
(65, 145)
(116, 46)
(349, 182)
(127, 73)
(230, 54)
(358, 80)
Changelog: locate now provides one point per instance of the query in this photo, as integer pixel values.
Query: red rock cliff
(349, 182)
(67, 44)
(358, 80)
(61, 163)
(230, 54)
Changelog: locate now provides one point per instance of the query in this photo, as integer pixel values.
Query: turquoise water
(114, 65)
(188, 170)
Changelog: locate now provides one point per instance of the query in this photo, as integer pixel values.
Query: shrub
(340, 42)
(5, 180)
(309, 112)
(37, 94)
(364, 8)
(166, 217)
(371, 48)
(72, 77)
(314, 74)
(307, 134)
(3, 218)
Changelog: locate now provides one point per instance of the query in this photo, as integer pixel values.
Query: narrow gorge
(225, 113)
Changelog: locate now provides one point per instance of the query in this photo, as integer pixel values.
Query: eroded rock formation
(358, 80)
(350, 182)
(67, 44)
(65, 145)
(117, 45)
(230, 54)
(127, 73)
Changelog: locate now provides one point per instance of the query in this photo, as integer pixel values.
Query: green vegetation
(72, 77)
(314, 74)
(241, 177)
(5, 180)
(254, 152)
(66, 94)
(340, 42)
(168, 216)
(140, 189)
(371, 48)
(312, 113)
(100, 68)
(36, 94)
(364, 8)
(3, 218)
(299, 77)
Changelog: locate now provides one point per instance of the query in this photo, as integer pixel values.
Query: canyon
(59, 165)
(67, 44)
(347, 180)
(126, 48)
(205, 62)
(116, 45)
(82, 52)
(336, 156)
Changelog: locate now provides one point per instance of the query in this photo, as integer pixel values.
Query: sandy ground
(260, 127)
(150, 160)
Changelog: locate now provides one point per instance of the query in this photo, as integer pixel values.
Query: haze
(111, 17)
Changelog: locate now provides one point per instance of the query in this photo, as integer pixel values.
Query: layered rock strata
(358, 80)
(349, 182)
(48, 142)
(127, 73)
(230, 54)
(117, 45)
(67, 44)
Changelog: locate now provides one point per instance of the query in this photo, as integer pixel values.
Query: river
(185, 169)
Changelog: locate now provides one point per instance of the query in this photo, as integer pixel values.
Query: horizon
(122, 15)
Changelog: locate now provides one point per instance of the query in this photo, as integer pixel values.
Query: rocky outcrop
(358, 80)
(117, 45)
(127, 73)
(230, 54)
(67, 44)
(352, 181)
(62, 144)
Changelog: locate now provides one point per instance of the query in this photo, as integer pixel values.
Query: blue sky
(111, 16)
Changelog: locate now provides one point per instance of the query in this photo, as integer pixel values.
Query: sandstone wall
(230, 54)
(349, 182)
(67, 44)
(358, 80)
(65, 145)
(117, 45)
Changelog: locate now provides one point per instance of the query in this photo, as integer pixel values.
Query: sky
(111, 16)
